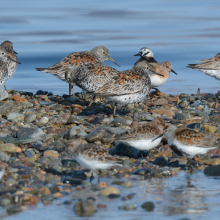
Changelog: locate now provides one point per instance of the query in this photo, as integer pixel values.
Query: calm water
(175, 198)
(184, 31)
(43, 32)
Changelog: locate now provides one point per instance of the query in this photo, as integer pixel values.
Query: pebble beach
(37, 129)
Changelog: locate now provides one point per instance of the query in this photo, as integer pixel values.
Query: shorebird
(129, 86)
(93, 157)
(12, 66)
(209, 66)
(146, 55)
(142, 135)
(4, 57)
(66, 68)
(187, 142)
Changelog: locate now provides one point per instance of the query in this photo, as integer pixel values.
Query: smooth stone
(184, 104)
(73, 182)
(69, 163)
(51, 153)
(56, 107)
(8, 148)
(13, 107)
(75, 120)
(178, 117)
(73, 99)
(15, 116)
(4, 157)
(212, 170)
(148, 206)
(44, 120)
(128, 207)
(30, 117)
(203, 115)
(212, 162)
(85, 207)
(26, 140)
(44, 103)
(196, 103)
(142, 172)
(36, 133)
(109, 190)
(125, 150)
(194, 126)
(107, 120)
(76, 131)
(5, 202)
(121, 122)
(3, 95)
(161, 161)
(47, 161)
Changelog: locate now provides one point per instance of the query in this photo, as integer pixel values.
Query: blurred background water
(43, 32)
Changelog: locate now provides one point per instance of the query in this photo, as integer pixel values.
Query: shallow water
(43, 33)
(182, 196)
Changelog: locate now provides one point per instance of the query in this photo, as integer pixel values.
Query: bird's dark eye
(3, 53)
(103, 52)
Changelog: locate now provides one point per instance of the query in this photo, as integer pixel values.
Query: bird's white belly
(213, 73)
(92, 164)
(157, 81)
(192, 150)
(144, 144)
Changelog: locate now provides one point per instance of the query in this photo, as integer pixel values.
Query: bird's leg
(190, 168)
(93, 98)
(114, 111)
(99, 176)
(156, 89)
(70, 88)
(91, 177)
(73, 92)
(84, 93)
(136, 106)
(5, 88)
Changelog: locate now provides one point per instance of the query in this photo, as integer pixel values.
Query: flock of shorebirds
(86, 69)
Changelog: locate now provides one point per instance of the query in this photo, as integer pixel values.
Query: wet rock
(212, 162)
(148, 206)
(47, 199)
(85, 207)
(142, 171)
(101, 206)
(128, 207)
(113, 196)
(163, 172)
(47, 161)
(73, 182)
(43, 191)
(183, 95)
(120, 122)
(3, 95)
(109, 190)
(210, 129)
(36, 133)
(69, 163)
(125, 150)
(194, 126)
(14, 210)
(161, 161)
(212, 170)
(196, 103)
(30, 117)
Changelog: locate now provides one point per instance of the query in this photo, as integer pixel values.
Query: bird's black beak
(15, 52)
(13, 60)
(173, 71)
(157, 138)
(138, 54)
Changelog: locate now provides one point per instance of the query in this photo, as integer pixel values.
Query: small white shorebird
(142, 135)
(164, 68)
(92, 156)
(12, 66)
(209, 66)
(187, 142)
